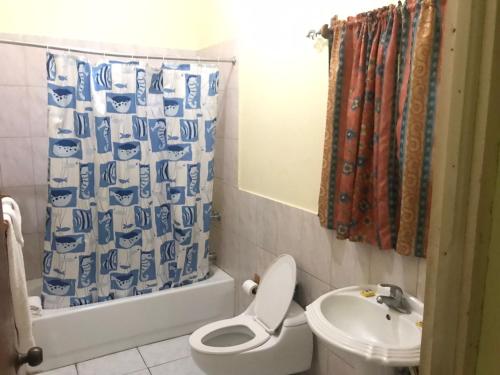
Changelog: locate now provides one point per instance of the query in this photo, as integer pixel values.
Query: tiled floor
(169, 357)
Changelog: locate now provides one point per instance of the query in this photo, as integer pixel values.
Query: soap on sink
(368, 293)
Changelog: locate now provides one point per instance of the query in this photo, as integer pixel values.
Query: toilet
(271, 337)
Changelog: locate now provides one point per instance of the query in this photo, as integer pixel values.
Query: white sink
(348, 321)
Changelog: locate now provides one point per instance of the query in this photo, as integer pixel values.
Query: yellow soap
(367, 293)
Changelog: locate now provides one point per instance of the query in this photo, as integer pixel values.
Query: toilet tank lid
(275, 292)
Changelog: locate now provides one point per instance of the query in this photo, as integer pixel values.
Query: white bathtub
(77, 334)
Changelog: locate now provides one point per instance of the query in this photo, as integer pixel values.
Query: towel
(17, 276)
(10, 207)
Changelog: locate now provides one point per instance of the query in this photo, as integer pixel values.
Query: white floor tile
(165, 351)
(185, 366)
(140, 372)
(121, 363)
(68, 370)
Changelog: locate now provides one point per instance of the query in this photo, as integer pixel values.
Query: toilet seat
(272, 301)
(225, 326)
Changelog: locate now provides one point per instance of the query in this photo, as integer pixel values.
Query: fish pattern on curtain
(131, 174)
(375, 184)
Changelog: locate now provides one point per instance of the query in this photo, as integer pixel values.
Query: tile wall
(255, 229)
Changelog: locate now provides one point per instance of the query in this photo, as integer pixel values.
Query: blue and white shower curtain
(130, 178)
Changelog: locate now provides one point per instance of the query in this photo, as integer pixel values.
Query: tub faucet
(396, 301)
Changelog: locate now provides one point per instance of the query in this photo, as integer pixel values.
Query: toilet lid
(275, 292)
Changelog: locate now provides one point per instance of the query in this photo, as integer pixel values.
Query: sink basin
(348, 321)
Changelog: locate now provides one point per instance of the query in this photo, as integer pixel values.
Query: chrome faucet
(396, 301)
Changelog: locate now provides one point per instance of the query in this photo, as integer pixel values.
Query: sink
(348, 321)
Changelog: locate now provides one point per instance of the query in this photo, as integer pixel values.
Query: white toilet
(271, 337)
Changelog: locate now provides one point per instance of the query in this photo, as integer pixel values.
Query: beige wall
(283, 90)
(156, 23)
(283, 77)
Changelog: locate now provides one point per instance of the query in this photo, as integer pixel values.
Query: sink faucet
(396, 301)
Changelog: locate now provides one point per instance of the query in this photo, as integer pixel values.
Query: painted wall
(283, 77)
(156, 23)
(490, 339)
(283, 91)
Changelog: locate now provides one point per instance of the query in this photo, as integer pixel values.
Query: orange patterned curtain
(375, 184)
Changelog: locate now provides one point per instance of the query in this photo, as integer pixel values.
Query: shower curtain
(130, 178)
(375, 184)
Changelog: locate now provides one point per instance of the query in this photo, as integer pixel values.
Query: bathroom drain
(388, 317)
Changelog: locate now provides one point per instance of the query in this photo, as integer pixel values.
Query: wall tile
(32, 251)
(248, 262)
(14, 119)
(37, 111)
(387, 266)
(350, 263)
(219, 158)
(310, 288)
(40, 154)
(267, 224)
(230, 208)
(25, 198)
(41, 194)
(247, 213)
(15, 157)
(36, 73)
(230, 114)
(220, 130)
(290, 226)
(12, 65)
(228, 257)
(315, 247)
(230, 173)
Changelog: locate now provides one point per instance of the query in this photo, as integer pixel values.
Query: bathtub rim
(215, 276)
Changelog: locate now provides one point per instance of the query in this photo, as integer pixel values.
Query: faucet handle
(395, 290)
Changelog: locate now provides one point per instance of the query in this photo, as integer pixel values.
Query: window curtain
(375, 184)
(131, 151)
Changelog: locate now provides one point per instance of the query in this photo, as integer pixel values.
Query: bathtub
(80, 333)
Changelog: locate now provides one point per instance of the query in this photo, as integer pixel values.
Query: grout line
(142, 357)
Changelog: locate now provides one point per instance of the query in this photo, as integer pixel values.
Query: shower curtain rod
(92, 52)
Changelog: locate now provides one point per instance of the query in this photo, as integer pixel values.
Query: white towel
(17, 276)
(11, 207)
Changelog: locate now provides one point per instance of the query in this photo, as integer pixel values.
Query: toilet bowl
(271, 337)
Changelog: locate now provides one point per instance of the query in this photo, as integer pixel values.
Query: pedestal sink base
(362, 366)
(367, 368)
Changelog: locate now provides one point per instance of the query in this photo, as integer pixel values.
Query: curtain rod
(93, 52)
